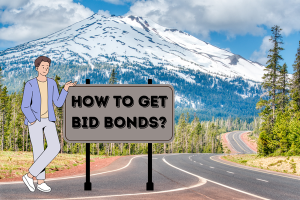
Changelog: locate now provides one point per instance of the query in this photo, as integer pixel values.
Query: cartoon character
(37, 105)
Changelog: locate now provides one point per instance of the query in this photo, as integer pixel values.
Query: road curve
(175, 176)
(235, 141)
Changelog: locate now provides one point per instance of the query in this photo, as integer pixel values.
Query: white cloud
(10, 4)
(34, 19)
(227, 49)
(234, 17)
(105, 13)
(261, 55)
(119, 2)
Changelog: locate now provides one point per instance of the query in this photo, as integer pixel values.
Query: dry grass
(253, 138)
(224, 144)
(283, 164)
(13, 164)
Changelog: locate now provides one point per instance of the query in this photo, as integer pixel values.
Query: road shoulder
(100, 165)
(219, 158)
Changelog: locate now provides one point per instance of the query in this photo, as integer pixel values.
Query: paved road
(175, 176)
(234, 138)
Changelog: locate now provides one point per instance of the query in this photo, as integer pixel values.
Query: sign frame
(65, 133)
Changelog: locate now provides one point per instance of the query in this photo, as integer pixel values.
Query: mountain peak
(131, 39)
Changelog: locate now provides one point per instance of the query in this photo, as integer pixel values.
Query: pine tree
(1, 114)
(181, 130)
(280, 134)
(267, 141)
(295, 85)
(270, 78)
(112, 79)
(3, 107)
(281, 140)
(59, 114)
(294, 119)
(283, 82)
(294, 134)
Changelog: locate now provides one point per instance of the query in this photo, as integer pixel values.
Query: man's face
(43, 69)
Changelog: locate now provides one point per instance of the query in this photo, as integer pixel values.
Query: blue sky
(243, 27)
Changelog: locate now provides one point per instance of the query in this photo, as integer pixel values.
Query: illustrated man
(37, 105)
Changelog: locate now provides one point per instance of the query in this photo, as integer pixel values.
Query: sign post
(150, 185)
(119, 113)
(87, 184)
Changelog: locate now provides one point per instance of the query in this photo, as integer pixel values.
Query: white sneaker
(29, 182)
(43, 187)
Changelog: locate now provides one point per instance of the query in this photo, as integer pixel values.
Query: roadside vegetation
(14, 164)
(226, 149)
(284, 164)
(252, 137)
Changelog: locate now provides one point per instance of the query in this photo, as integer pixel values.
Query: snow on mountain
(132, 39)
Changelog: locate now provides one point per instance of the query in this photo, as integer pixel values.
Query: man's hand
(68, 84)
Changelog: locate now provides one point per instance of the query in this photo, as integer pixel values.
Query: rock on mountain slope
(204, 76)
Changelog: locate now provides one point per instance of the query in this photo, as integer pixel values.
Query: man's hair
(38, 61)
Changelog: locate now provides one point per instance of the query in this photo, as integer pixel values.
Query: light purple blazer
(31, 103)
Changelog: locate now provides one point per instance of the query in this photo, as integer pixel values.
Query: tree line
(280, 107)
(191, 136)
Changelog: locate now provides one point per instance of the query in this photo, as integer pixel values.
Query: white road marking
(230, 172)
(216, 182)
(211, 167)
(236, 141)
(202, 181)
(261, 180)
(230, 143)
(248, 168)
(200, 163)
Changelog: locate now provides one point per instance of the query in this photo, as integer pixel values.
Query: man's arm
(59, 99)
(25, 107)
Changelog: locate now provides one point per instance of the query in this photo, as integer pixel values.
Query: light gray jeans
(42, 157)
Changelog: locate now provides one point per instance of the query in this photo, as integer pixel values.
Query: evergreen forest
(279, 133)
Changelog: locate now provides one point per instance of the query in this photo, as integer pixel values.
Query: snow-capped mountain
(142, 48)
(141, 40)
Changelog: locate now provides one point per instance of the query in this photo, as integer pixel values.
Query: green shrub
(278, 162)
(293, 166)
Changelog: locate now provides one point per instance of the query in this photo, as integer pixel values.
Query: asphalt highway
(175, 176)
(234, 138)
